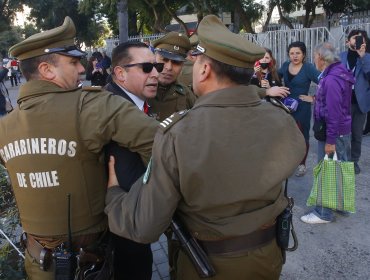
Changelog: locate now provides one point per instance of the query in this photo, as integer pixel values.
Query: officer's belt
(39, 252)
(240, 244)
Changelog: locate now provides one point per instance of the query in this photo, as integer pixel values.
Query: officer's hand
(112, 179)
(277, 91)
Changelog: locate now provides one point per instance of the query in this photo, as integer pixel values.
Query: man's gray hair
(327, 52)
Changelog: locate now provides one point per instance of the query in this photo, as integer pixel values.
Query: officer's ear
(47, 71)
(120, 73)
(204, 70)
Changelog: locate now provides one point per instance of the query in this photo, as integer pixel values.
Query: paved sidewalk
(338, 250)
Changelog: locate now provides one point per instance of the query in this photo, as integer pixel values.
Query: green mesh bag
(333, 185)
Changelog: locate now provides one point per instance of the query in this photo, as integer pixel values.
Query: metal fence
(279, 40)
(111, 43)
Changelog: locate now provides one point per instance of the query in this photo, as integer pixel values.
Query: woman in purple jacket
(333, 105)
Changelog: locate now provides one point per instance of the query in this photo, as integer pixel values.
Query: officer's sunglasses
(147, 66)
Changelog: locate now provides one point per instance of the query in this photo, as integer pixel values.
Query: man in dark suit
(135, 78)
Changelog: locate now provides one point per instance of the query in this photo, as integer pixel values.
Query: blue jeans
(343, 150)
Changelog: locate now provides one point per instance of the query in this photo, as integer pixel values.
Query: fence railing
(279, 40)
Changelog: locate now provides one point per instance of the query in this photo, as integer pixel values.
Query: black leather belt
(240, 244)
(43, 255)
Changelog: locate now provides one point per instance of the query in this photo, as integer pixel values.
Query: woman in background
(297, 76)
(265, 74)
(95, 72)
(332, 105)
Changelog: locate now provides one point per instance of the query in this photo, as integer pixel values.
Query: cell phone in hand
(359, 41)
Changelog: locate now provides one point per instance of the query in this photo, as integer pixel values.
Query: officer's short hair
(121, 53)
(29, 67)
(238, 75)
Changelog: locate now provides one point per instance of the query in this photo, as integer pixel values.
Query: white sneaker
(311, 218)
(301, 170)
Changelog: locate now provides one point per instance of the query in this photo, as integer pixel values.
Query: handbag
(334, 185)
(319, 130)
(290, 105)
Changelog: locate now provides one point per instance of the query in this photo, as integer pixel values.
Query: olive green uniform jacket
(70, 128)
(170, 99)
(220, 165)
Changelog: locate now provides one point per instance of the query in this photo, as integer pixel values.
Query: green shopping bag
(333, 185)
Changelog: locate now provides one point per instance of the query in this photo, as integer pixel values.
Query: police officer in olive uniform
(172, 96)
(52, 146)
(216, 167)
(186, 75)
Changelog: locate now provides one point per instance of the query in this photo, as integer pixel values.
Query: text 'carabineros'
(34, 146)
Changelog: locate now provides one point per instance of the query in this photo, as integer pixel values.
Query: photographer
(95, 72)
(265, 73)
(357, 59)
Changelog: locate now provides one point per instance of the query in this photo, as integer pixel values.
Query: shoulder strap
(171, 120)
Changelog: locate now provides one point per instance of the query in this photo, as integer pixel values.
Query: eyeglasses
(147, 66)
(175, 62)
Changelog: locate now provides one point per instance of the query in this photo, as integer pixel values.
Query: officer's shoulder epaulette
(180, 89)
(92, 88)
(171, 120)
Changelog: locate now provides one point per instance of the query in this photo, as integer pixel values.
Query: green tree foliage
(8, 9)
(89, 23)
(9, 38)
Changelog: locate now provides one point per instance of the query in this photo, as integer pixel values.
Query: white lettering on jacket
(38, 179)
(44, 179)
(36, 146)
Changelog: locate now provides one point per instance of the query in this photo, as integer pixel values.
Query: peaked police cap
(57, 40)
(219, 43)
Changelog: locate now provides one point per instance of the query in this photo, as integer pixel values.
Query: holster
(43, 256)
(96, 262)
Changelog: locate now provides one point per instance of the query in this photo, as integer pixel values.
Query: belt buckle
(45, 259)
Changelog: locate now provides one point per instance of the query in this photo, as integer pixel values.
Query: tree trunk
(244, 18)
(269, 15)
(132, 24)
(157, 24)
(309, 7)
(172, 14)
(122, 14)
(236, 27)
(283, 19)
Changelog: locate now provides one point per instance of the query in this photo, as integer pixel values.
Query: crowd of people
(164, 148)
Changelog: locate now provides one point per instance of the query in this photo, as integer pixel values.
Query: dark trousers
(358, 120)
(132, 260)
(13, 80)
(367, 126)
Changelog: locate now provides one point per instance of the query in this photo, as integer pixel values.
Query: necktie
(146, 107)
